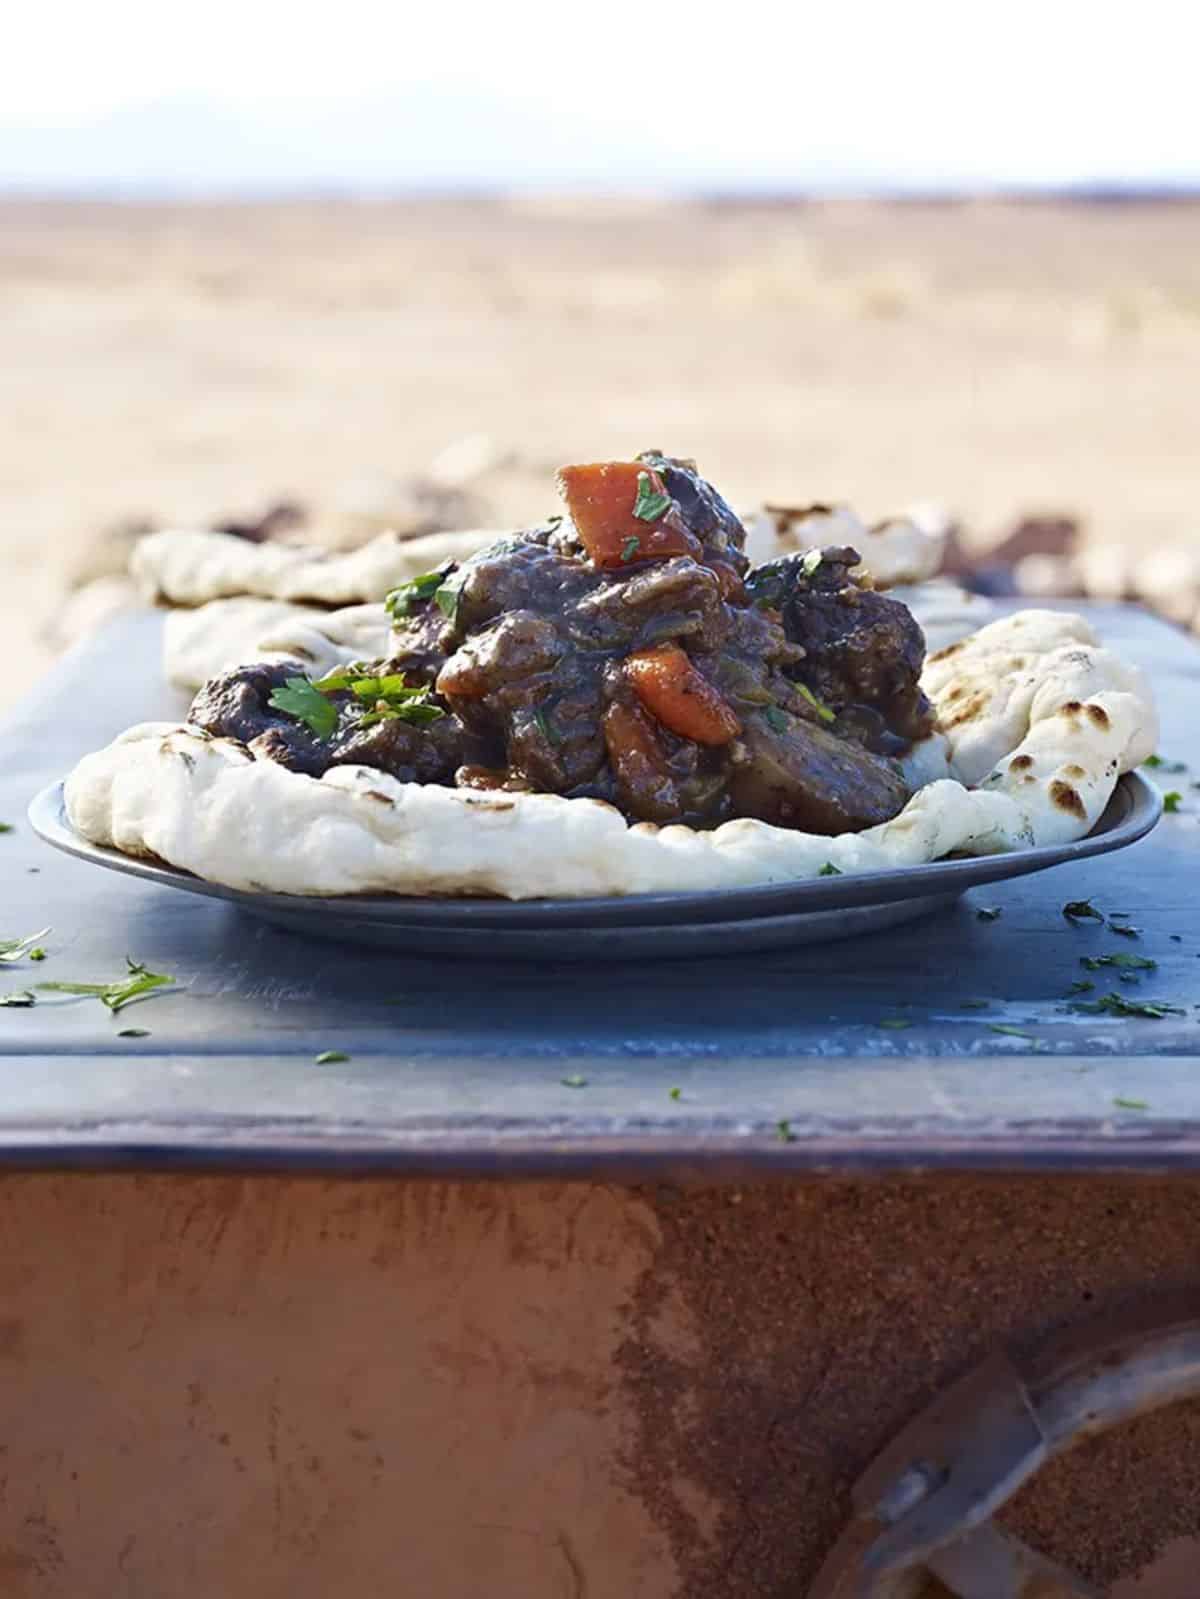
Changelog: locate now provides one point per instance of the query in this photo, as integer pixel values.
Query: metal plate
(658, 926)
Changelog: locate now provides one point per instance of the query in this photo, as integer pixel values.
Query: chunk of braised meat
(706, 515)
(792, 773)
(237, 705)
(863, 652)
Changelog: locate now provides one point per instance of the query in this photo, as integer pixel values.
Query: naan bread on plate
(894, 552)
(201, 643)
(194, 567)
(1039, 719)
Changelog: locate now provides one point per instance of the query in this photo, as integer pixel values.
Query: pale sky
(958, 92)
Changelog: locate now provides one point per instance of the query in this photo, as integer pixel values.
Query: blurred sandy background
(190, 362)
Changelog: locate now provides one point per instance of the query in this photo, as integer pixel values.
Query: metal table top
(872, 1054)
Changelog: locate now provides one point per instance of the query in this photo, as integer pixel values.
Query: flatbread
(894, 552)
(191, 568)
(206, 805)
(201, 643)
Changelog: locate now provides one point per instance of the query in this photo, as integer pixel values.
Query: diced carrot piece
(601, 499)
(680, 697)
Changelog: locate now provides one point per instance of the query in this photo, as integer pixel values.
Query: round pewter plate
(660, 926)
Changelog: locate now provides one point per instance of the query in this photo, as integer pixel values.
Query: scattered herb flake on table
(574, 1081)
(1114, 1004)
(22, 999)
(15, 949)
(829, 870)
(988, 913)
(133, 1032)
(1124, 929)
(1127, 962)
(894, 1023)
(116, 995)
(1130, 1104)
(974, 1004)
(1158, 763)
(331, 1057)
(675, 1093)
(1010, 1031)
(1172, 801)
(7, 827)
(1081, 986)
(783, 1131)
(1081, 910)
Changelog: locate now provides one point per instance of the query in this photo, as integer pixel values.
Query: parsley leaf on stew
(819, 706)
(776, 718)
(15, 949)
(401, 600)
(1081, 910)
(545, 727)
(651, 503)
(447, 596)
(1172, 802)
(22, 998)
(630, 548)
(829, 870)
(115, 995)
(810, 562)
(299, 699)
(783, 1131)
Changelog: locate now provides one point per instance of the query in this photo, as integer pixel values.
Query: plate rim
(1140, 808)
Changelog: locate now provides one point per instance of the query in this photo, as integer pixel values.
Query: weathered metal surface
(859, 1056)
(925, 1505)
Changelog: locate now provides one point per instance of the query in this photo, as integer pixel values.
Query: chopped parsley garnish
(115, 995)
(7, 827)
(1115, 1004)
(574, 1081)
(776, 718)
(447, 597)
(545, 727)
(819, 706)
(1081, 910)
(298, 698)
(988, 913)
(830, 870)
(1081, 986)
(1011, 1032)
(1172, 802)
(1157, 763)
(15, 949)
(21, 998)
(389, 698)
(331, 1057)
(1129, 963)
(810, 562)
(1130, 1104)
(630, 548)
(783, 1131)
(894, 1024)
(133, 1032)
(675, 1093)
(651, 503)
(401, 600)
